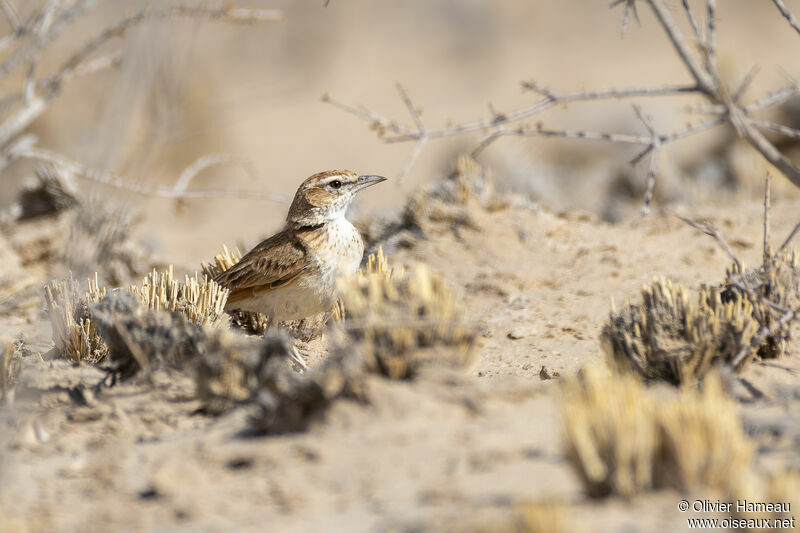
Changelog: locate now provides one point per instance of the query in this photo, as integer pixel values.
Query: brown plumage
(293, 274)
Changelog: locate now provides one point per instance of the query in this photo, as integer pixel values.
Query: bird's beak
(365, 181)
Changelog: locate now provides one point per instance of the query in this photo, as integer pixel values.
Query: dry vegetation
(624, 439)
(390, 380)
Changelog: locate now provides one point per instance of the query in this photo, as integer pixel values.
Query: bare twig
(421, 132)
(767, 251)
(710, 48)
(793, 22)
(227, 14)
(628, 8)
(786, 131)
(762, 334)
(722, 103)
(698, 35)
(11, 14)
(789, 238)
(206, 162)
(26, 151)
(717, 236)
(745, 84)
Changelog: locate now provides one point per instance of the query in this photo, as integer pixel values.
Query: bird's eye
(336, 184)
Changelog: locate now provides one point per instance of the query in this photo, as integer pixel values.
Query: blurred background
(186, 88)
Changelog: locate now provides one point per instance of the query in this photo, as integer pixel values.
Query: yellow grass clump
(227, 372)
(201, 301)
(401, 321)
(676, 336)
(10, 367)
(75, 334)
(623, 439)
(253, 322)
(776, 281)
(75, 330)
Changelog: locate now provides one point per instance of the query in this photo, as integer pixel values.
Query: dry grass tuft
(401, 321)
(442, 207)
(50, 193)
(777, 281)
(784, 487)
(701, 441)
(236, 371)
(676, 336)
(79, 337)
(624, 439)
(542, 518)
(139, 338)
(75, 334)
(611, 435)
(10, 368)
(227, 374)
(202, 302)
(252, 322)
(287, 401)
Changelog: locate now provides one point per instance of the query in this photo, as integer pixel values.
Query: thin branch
(710, 48)
(423, 135)
(627, 92)
(766, 249)
(745, 84)
(717, 236)
(762, 334)
(775, 97)
(788, 239)
(650, 183)
(231, 15)
(703, 79)
(206, 162)
(27, 151)
(786, 131)
(628, 8)
(793, 22)
(698, 35)
(11, 14)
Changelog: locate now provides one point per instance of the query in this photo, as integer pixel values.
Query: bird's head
(326, 196)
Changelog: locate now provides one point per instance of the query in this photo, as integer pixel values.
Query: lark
(292, 275)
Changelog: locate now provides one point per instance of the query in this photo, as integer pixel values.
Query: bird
(292, 275)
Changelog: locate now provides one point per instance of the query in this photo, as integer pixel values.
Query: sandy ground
(447, 451)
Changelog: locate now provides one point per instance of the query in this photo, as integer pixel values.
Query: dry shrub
(10, 368)
(49, 193)
(201, 301)
(75, 334)
(227, 374)
(624, 439)
(236, 371)
(444, 206)
(677, 336)
(141, 338)
(75, 328)
(611, 434)
(702, 441)
(286, 401)
(400, 321)
(777, 281)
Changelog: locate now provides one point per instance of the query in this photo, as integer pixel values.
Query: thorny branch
(699, 58)
(30, 39)
(767, 325)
